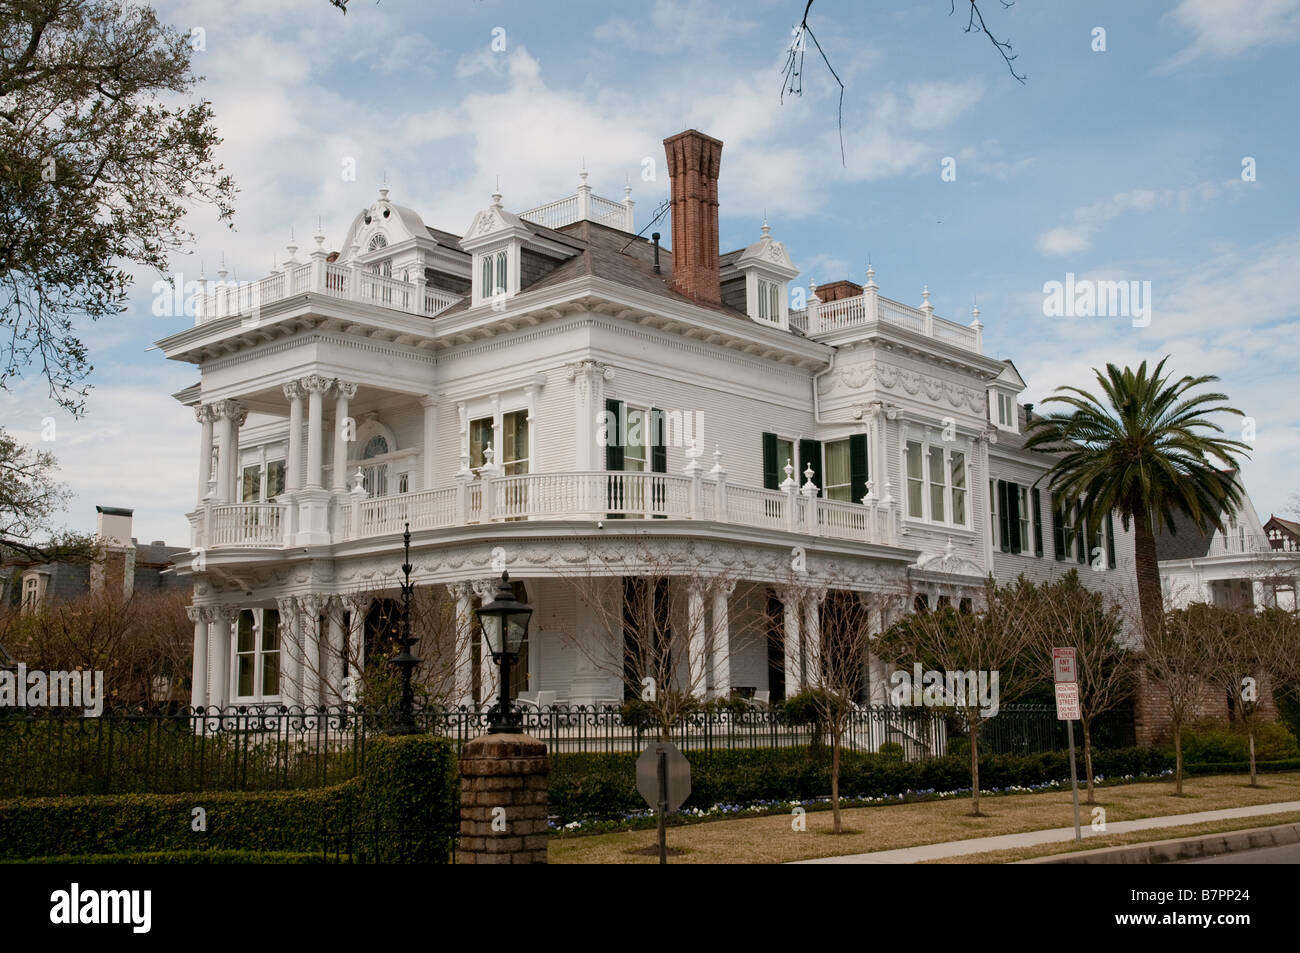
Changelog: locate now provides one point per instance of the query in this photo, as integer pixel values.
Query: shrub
(891, 749)
(1216, 742)
(411, 784)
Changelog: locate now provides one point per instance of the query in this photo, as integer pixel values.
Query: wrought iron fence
(45, 752)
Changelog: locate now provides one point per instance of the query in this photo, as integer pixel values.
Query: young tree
(96, 171)
(30, 496)
(1178, 656)
(977, 660)
(1069, 615)
(1149, 451)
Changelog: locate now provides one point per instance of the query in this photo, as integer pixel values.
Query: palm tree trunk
(1150, 596)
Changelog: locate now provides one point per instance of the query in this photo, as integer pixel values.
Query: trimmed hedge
(604, 785)
(412, 785)
(184, 857)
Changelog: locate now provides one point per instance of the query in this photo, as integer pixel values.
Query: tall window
(993, 514)
(514, 442)
(839, 481)
(1006, 410)
(915, 481)
(786, 453)
(274, 478)
(634, 447)
(495, 274)
(480, 438)
(957, 471)
(936, 483)
(1022, 493)
(257, 666)
(938, 486)
(375, 475)
(250, 486)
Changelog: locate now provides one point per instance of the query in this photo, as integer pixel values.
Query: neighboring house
(480, 386)
(122, 565)
(1246, 564)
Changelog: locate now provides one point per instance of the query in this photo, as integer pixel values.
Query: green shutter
(1004, 523)
(1058, 527)
(771, 469)
(1080, 535)
(858, 466)
(1013, 517)
(1110, 541)
(810, 455)
(658, 460)
(1036, 503)
(614, 427)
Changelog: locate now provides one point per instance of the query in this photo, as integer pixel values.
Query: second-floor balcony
(826, 317)
(594, 496)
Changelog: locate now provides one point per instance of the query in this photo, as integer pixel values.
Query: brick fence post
(503, 806)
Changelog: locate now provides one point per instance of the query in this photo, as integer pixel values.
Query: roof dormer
(1003, 389)
(767, 270)
(495, 239)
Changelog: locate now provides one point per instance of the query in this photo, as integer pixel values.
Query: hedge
(412, 786)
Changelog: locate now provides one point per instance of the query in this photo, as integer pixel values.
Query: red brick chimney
(693, 162)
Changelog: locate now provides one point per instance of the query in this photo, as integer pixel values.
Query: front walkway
(979, 845)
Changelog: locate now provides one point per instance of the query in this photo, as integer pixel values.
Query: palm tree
(1149, 452)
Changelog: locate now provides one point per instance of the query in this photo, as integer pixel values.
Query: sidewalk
(978, 845)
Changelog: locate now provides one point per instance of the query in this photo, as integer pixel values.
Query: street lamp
(406, 661)
(505, 626)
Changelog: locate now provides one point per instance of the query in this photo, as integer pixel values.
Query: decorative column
(430, 405)
(463, 673)
(335, 647)
(290, 650)
(342, 433)
(588, 379)
(313, 498)
(354, 646)
(722, 637)
(697, 656)
(488, 686)
(199, 674)
(203, 413)
(309, 628)
(219, 639)
(812, 634)
(230, 416)
(790, 598)
(293, 465)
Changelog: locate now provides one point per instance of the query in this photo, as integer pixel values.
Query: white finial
(496, 196)
(789, 482)
(767, 232)
(925, 299)
(221, 272)
(383, 194)
(871, 275)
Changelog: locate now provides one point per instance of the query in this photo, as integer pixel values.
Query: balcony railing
(824, 317)
(350, 282)
(1235, 544)
(559, 496)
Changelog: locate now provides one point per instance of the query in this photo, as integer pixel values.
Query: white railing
(554, 214)
(824, 317)
(247, 524)
(348, 282)
(608, 212)
(580, 206)
(556, 496)
(1236, 544)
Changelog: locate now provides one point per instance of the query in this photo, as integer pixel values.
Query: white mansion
(552, 394)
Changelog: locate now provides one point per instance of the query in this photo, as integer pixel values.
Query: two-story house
(551, 393)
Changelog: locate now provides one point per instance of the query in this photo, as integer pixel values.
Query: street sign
(1063, 665)
(1067, 701)
(677, 770)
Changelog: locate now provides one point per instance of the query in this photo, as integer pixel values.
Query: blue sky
(1122, 164)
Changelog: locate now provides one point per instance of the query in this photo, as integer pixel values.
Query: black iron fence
(45, 752)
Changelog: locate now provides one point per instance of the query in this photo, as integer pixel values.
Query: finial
(767, 232)
(925, 299)
(871, 275)
(383, 193)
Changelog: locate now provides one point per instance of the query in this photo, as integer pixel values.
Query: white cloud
(937, 104)
(1227, 28)
(1088, 220)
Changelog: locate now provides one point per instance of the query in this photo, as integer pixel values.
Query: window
(634, 446)
(936, 483)
(786, 453)
(257, 667)
(377, 241)
(1022, 497)
(769, 301)
(514, 442)
(502, 277)
(993, 514)
(1006, 411)
(250, 486)
(764, 309)
(374, 477)
(839, 481)
(274, 478)
(480, 438)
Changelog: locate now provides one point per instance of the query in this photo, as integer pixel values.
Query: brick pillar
(503, 800)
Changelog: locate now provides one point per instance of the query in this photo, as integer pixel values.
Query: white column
(226, 438)
(355, 646)
(219, 638)
(311, 661)
(204, 415)
(697, 655)
(290, 650)
(293, 475)
(588, 379)
(790, 598)
(334, 669)
(487, 669)
(316, 386)
(463, 673)
(722, 637)
(342, 433)
(199, 673)
(430, 405)
(812, 634)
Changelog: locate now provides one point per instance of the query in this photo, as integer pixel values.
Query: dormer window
(1006, 411)
(767, 270)
(495, 274)
(769, 300)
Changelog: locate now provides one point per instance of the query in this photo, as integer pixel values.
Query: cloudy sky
(1124, 164)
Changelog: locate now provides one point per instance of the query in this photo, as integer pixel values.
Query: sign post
(663, 776)
(1065, 671)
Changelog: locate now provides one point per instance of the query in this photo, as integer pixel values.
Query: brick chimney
(693, 162)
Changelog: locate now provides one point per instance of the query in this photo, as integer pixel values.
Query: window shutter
(1110, 541)
(1013, 517)
(810, 455)
(1083, 555)
(1036, 503)
(658, 449)
(858, 466)
(1058, 527)
(614, 430)
(1004, 528)
(771, 469)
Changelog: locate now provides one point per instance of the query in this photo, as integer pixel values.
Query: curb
(1187, 848)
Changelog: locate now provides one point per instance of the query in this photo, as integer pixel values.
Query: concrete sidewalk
(979, 845)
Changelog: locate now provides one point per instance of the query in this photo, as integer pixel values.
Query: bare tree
(976, 660)
(1178, 656)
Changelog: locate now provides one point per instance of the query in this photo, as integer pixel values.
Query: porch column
(199, 674)
(877, 685)
(293, 474)
(230, 415)
(311, 669)
(316, 386)
(430, 405)
(722, 637)
(588, 379)
(488, 686)
(1258, 595)
(790, 598)
(334, 669)
(343, 433)
(354, 648)
(697, 678)
(812, 634)
(219, 639)
(463, 672)
(203, 413)
(290, 650)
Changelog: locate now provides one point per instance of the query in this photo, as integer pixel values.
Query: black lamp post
(406, 661)
(505, 625)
